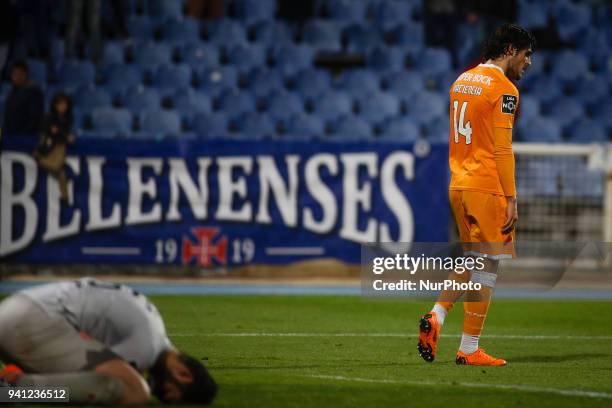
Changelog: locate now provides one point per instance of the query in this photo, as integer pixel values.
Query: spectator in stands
(75, 17)
(208, 9)
(441, 20)
(25, 104)
(57, 134)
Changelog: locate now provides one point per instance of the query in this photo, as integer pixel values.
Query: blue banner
(218, 202)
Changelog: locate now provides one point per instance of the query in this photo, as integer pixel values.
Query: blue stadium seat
(351, 127)
(236, 103)
(540, 129)
(245, 58)
(311, 83)
(113, 53)
(214, 81)
(140, 27)
(113, 120)
(410, 36)
(572, 19)
(291, 59)
(76, 73)
(359, 82)
(405, 84)
(532, 14)
(438, 130)
(323, 35)
(227, 33)
(333, 104)
(89, 97)
(603, 113)
(588, 131)
(256, 126)
(168, 78)
(305, 127)
(593, 91)
(361, 38)
(161, 123)
(263, 82)
(546, 89)
(386, 59)
(184, 30)
(211, 125)
(37, 71)
(255, 10)
(595, 45)
(188, 103)
(273, 32)
(570, 67)
(435, 61)
(119, 77)
(400, 129)
(139, 99)
(378, 106)
(284, 105)
(529, 107)
(150, 56)
(567, 111)
(347, 11)
(165, 9)
(391, 13)
(427, 106)
(199, 54)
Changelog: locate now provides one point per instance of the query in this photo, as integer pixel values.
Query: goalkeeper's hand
(511, 215)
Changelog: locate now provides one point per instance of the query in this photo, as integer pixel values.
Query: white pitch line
(511, 387)
(285, 251)
(403, 335)
(110, 251)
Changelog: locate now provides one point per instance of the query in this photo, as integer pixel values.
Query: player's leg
(53, 354)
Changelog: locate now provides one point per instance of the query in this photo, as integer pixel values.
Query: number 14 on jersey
(463, 129)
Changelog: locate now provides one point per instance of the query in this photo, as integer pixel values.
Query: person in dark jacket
(57, 134)
(24, 105)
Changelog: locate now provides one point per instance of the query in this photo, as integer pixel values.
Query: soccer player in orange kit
(482, 191)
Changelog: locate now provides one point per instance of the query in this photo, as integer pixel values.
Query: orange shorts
(480, 217)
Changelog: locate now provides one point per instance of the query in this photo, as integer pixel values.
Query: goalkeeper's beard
(159, 375)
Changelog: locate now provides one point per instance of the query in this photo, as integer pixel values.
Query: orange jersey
(481, 99)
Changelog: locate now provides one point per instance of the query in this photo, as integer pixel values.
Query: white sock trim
(484, 278)
(469, 343)
(441, 313)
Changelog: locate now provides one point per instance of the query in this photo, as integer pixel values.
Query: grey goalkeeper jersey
(115, 315)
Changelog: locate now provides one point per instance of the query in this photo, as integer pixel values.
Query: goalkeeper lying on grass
(96, 339)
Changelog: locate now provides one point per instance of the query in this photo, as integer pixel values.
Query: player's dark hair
(203, 389)
(506, 36)
(20, 64)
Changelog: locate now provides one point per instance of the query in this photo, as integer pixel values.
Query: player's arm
(504, 160)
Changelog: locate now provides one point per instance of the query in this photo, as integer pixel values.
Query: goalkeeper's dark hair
(203, 389)
(506, 36)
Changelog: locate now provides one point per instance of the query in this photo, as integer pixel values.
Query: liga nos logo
(508, 104)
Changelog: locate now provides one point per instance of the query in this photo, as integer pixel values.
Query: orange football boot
(429, 333)
(10, 373)
(478, 358)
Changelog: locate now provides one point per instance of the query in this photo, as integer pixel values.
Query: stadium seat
(322, 35)
(310, 83)
(150, 55)
(168, 78)
(183, 31)
(264, 82)
(305, 127)
(434, 61)
(119, 77)
(405, 84)
(347, 11)
(400, 129)
(587, 131)
(256, 126)
(199, 54)
(273, 32)
(572, 19)
(284, 105)
(140, 27)
(165, 9)
(351, 127)
(227, 33)
(75, 73)
(603, 113)
(211, 125)
(37, 71)
(251, 11)
(139, 99)
(391, 13)
(214, 81)
(378, 106)
(291, 59)
(427, 106)
(116, 121)
(546, 89)
(593, 91)
(236, 103)
(594, 44)
(332, 104)
(89, 97)
(359, 82)
(361, 38)
(532, 14)
(188, 103)
(570, 67)
(438, 130)
(386, 59)
(245, 58)
(161, 123)
(567, 111)
(540, 129)
(529, 107)
(410, 35)
(113, 53)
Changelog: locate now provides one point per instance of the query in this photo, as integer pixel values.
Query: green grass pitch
(318, 351)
